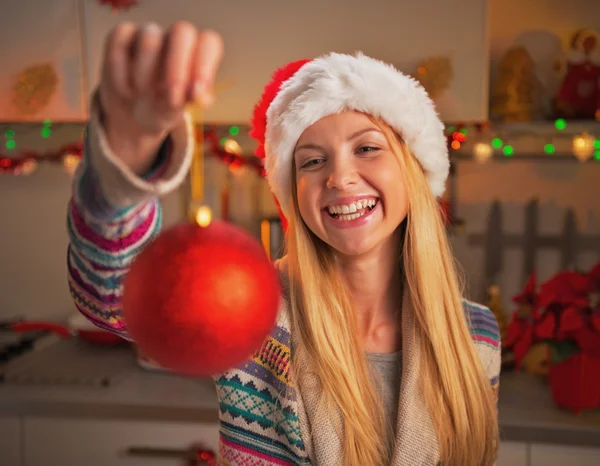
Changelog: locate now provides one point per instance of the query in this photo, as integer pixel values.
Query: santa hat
(303, 92)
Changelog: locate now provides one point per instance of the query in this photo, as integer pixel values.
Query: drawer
(76, 442)
(513, 454)
(558, 455)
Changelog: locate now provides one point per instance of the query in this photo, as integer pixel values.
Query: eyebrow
(350, 138)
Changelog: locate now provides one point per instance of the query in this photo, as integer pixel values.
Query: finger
(117, 54)
(176, 61)
(209, 53)
(146, 53)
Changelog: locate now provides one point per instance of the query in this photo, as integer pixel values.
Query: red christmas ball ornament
(201, 300)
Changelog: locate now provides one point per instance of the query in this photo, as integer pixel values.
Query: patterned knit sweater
(111, 217)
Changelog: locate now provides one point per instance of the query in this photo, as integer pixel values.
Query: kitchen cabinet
(561, 455)
(76, 442)
(41, 441)
(10, 441)
(513, 454)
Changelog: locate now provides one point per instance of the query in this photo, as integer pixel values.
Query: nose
(342, 175)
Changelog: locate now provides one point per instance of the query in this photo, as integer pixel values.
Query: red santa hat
(302, 92)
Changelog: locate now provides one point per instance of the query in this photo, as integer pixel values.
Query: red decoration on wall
(119, 4)
(26, 162)
(234, 161)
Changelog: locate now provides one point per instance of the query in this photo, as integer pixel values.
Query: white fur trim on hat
(336, 82)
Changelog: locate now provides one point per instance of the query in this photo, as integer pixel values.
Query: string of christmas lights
(480, 141)
(226, 149)
(483, 141)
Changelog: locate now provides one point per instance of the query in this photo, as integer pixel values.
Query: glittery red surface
(201, 300)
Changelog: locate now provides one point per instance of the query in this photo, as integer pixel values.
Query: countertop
(526, 410)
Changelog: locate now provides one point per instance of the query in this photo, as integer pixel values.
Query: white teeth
(351, 216)
(352, 210)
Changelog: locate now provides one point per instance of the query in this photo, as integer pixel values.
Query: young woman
(375, 359)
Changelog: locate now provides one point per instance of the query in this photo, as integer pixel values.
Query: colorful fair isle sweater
(264, 418)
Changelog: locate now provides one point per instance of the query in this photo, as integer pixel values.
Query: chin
(351, 249)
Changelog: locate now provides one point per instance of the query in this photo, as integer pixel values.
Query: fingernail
(198, 90)
(152, 28)
(202, 94)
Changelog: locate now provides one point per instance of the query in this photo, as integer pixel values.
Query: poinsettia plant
(564, 312)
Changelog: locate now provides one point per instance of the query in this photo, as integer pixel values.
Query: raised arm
(138, 146)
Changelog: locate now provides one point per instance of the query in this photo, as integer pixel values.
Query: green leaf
(562, 350)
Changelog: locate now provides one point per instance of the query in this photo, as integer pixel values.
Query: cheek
(306, 201)
(395, 192)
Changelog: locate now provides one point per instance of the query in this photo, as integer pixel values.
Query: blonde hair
(456, 391)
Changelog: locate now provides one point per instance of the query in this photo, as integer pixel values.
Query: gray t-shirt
(387, 377)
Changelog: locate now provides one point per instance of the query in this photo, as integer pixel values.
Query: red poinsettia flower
(595, 320)
(520, 331)
(544, 326)
(566, 289)
(519, 337)
(571, 320)
(565, 300)
(588, 340)
(528, 296)
(594, 277)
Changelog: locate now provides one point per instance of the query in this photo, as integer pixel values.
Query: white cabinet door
(10, 441)
(512, 454)
(558, 455)
(76, 442)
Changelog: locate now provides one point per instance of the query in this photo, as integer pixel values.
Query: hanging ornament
(119, 4)
(583, 146)
(435, 75)
(482, 152)
(204, 216)
(200, 300)
(34, 88)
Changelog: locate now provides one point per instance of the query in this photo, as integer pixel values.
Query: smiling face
(350, 188)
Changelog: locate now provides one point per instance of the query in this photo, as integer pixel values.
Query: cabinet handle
(193, 456)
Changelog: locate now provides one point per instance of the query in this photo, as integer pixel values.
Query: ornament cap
(203, 216)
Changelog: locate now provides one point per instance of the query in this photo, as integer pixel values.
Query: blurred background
(517, 83)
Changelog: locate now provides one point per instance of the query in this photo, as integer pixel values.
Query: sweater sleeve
(112, 215)
(485, 334)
